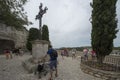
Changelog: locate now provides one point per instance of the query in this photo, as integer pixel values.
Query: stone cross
(39, 17)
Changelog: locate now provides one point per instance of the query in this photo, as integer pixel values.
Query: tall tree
(12, 13)
(104, 27)
(45, 33)
(33, 35)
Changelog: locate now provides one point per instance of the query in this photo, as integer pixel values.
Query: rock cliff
(12, 38)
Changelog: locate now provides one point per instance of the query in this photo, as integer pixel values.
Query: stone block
(39, 48)
(97, 75)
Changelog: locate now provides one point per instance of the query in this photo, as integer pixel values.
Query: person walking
(62, 54)
(73, 53)
(7, 53)
(93, 54)
(85, 51)
(66, 52)
(11, 54)
(53, 61)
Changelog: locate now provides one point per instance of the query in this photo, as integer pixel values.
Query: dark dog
(40, 67)
(41, 70)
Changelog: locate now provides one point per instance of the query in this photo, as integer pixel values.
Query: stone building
(12, 38)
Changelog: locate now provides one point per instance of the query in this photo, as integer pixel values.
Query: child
(85, 51)
(7, 53)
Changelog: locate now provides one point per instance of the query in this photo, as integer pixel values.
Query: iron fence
(109, 64)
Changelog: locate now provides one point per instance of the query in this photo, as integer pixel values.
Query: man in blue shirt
(53, 61)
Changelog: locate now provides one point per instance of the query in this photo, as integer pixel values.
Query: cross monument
(39, 17)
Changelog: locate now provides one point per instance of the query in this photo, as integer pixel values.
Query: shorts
(85, 55)
(53, 64)
(73, 54)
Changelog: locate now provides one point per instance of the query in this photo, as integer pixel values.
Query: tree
(104, 27)
(45, 33)
(33, 35)
(12, 13)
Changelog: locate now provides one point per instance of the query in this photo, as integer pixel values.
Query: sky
(67, 21)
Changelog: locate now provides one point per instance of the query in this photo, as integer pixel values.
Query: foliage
(33, 35)
(104, 27)
(12, 13)
(45, 33)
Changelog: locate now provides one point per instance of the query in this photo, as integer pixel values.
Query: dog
(41, 70)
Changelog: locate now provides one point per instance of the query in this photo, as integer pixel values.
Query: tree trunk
(100, 59)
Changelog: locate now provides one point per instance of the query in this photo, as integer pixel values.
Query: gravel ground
(68, 69)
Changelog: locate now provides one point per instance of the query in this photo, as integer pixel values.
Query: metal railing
(109, 64)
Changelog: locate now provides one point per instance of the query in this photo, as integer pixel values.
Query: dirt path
(68, 69)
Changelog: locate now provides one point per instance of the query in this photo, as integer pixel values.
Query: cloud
(117, 40)
(67, 20)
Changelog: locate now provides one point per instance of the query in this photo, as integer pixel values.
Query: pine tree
(104, 27)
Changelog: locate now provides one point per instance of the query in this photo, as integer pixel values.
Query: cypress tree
(45, 33)
(104, 27)
(33, 35)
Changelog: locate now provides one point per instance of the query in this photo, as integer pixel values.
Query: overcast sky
(67, 20)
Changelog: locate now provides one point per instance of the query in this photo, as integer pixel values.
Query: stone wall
(105, 75)
(10, 33)
(21, 38)
(112, 59)
(6, 32)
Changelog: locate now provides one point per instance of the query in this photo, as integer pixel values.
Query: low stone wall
(105, 75)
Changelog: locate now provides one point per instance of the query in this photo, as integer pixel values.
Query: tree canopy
(33, 35)
(12, 13)
(45, 33)
(104, 27)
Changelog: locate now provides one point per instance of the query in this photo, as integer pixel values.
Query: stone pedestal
(39, 48)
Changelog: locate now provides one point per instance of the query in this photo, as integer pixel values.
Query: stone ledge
(105, 75)
(40, 41)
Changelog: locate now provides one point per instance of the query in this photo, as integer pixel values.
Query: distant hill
(77, 48)
(81, 48)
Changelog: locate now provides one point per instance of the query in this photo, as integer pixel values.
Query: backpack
(54, 54)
